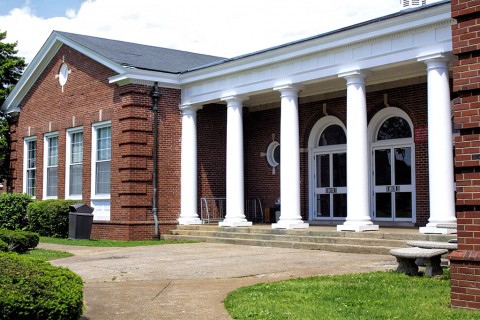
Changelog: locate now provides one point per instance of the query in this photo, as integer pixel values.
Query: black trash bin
(80, 221)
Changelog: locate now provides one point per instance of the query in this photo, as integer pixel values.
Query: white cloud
(218, 27)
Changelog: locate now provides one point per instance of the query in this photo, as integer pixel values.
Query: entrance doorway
(393, 170)
(328, 167)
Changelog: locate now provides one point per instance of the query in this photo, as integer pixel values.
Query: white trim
(375, 123)
(101, 202)
(270, 154)
(314, 149)
(46, 145)
(68, 150)
(95, 128)
(25, 156)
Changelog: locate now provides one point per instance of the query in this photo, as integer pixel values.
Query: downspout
(155, 94)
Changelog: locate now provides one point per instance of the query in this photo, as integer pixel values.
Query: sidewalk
(190, 281)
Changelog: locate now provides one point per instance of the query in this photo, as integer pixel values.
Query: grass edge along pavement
(375, 295)
(111, 243)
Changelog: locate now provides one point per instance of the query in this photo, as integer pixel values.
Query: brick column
(465, 262)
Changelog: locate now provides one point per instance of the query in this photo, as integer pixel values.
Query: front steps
(313, 238)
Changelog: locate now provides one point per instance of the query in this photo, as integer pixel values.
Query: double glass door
(393, 194)
(330, 184)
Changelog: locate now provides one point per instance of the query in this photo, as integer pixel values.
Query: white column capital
(289, 90)
(234, 100)
(441, 58)
(189, 109)
(355, 76)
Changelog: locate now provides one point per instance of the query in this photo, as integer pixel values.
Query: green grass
(377, 295)
(110, 243)
(47, 255)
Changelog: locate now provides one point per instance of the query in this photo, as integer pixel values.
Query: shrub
(3, 246)
(34, 289)
(13, 210)
(19, 241)
(49, 217)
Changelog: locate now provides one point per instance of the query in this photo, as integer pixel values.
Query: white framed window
(101, 158)
(50, 167)
(30, 166)
(74, 163)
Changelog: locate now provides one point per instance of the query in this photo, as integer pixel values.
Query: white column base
(235, 223)
(357, 227)
(436, 228)
(289, 224)
(189, 221)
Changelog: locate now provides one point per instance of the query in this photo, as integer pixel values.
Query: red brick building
(367, 106)
(465, 263)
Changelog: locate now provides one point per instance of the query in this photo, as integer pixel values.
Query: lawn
(110, 243)
(377, 295)
(47, 255)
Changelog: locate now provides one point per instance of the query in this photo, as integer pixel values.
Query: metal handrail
(213, 209)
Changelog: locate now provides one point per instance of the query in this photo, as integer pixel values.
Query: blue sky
(218, 27)
(42, 8)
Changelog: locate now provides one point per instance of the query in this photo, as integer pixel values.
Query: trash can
(80, 221)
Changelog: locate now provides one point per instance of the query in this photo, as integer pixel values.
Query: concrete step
(293, 238)
(287, 244)
(313, 238)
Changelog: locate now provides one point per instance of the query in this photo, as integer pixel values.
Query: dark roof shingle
(142, 56)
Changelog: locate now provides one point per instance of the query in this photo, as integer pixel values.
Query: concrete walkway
(190, 281)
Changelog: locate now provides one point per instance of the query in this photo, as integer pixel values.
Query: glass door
(330, 185)
(393, 183)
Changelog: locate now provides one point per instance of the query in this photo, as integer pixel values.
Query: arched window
(394, 128)
(332, 135)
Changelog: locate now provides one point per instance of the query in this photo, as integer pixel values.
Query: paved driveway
(190, 281)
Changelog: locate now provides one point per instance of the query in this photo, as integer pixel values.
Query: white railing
(214, 209)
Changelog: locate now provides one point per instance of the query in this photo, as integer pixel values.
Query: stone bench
(406, 260)
(433, 245)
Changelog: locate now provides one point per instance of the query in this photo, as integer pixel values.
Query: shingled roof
(142, 56)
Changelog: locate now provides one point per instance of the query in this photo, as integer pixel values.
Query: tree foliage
(11, 69)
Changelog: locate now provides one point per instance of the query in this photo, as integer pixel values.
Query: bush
(3, 246)
(13, 210)
(34, 289)
(19, 241)
(49, 217)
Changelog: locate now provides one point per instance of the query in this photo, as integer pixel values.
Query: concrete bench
(406, 260)
(433, 245)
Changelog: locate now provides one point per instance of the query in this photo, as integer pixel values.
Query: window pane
(323, 171)
(403, 166)
(403, 204)
(340, 205)
(383, 203)
(103, 143)
(383, 174)
(339, 169)
(332, 135)
(52, 151)
(52, 174)
(77, 147)
(394, 128)
(31, 182)
(323, 205)
(76, 179)
(31, 154)
(103, 178)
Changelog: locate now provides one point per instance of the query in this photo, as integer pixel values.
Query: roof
(142, 56)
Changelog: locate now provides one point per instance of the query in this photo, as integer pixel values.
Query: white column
(290, 216)
(235, 214)
(440, 148)
(358, 190)
(188, 180)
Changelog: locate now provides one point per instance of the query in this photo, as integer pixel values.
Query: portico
(380, 56)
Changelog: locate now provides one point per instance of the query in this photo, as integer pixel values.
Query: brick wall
(88, 98)
(465, 263)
